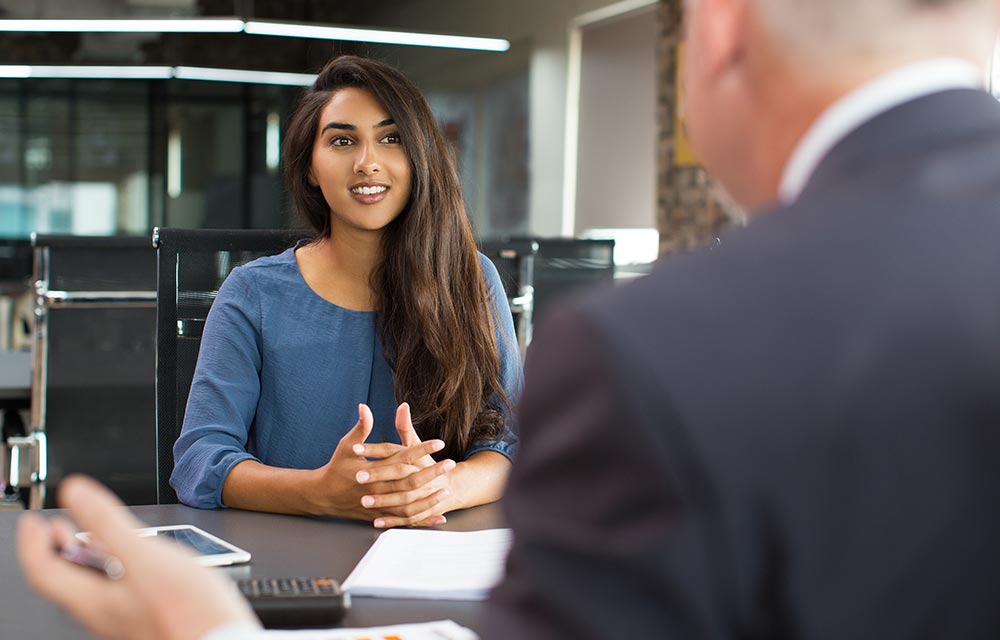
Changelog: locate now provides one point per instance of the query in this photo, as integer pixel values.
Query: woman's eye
(340, 141)
(392, 138)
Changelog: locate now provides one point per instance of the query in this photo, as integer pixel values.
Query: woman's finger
(404, 477)
(413, 454)
(404, 426)
(422, 510)
(397, 499)
(361, 429)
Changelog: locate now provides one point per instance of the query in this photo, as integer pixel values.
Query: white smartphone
(211, 551)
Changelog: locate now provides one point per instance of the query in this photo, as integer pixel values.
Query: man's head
(758, 72)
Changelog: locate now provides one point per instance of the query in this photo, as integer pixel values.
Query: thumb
(93, 507)
(362, 428)
(404, 426)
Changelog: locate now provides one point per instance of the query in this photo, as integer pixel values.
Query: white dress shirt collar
(864, 103)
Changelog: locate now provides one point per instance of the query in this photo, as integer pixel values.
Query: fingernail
(368, 501)
(379, 524)
(449, 465)
(437, 445)
(363, 476)
(358, 449)
(442, 520)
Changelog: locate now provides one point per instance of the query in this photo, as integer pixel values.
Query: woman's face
(359, 163)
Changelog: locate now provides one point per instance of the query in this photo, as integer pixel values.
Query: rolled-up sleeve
(511, 371)
(224, 395)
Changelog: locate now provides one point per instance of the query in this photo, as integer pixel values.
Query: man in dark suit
(796, 434)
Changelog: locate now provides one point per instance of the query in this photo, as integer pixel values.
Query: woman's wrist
(458, 485)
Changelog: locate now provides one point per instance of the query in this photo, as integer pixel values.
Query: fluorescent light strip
(81, 71)
(157, 73)
(168, 25)
(15, 71)
(240, 75)
(235, 25)
(374, 35)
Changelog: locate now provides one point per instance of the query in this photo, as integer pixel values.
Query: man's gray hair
(825, 32)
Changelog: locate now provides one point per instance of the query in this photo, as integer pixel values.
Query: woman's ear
(313, 182)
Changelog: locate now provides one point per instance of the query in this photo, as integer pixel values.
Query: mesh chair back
(191, 266)
(93, 394)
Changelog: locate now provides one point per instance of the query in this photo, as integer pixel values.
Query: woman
(389, 303)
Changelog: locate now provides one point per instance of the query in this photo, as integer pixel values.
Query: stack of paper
(441, 565)
(440, 630)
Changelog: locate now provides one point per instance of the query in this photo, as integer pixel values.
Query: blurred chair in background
(538, 271)
(92, 405)
(515, 262)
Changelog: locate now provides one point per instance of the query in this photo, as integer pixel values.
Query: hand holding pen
(160, 592)
(87, 556)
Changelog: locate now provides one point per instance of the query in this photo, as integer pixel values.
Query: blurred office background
(570, 131)
(114, 155)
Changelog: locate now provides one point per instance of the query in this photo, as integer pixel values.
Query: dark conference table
(281, 546)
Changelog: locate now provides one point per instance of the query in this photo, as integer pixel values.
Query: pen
(109, 565)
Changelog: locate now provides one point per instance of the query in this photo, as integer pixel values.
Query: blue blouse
(281, 372)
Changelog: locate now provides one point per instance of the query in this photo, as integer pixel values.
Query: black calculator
(286, 603)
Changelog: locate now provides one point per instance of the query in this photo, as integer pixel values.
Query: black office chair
(92, 406)
(191, 266)
(567, 265)
(515, 262)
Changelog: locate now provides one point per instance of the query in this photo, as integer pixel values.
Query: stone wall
(688, 213)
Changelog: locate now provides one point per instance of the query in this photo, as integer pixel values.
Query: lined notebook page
(444, 565)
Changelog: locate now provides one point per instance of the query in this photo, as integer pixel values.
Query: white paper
(440, 565)
(440, 630)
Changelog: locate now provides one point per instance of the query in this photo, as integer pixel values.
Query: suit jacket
(796, 435)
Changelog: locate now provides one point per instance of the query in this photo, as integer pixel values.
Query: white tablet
(211, 551)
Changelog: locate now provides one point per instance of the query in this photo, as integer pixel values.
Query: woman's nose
(366, 162)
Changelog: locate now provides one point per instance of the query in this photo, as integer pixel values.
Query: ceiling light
(166, 25)
(235, 25)
(82, 71)
(157, 73)
(240, 75)
(15, 71)
(374, 35)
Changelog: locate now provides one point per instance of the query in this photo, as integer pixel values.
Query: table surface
(15, 375)
(281, 546)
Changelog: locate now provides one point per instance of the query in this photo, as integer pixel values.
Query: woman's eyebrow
(344, 126)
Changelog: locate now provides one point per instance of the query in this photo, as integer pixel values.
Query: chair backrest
(515, 262)
(566, 265)
(191, 266)
(92, 407)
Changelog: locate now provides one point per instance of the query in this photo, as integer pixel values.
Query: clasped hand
(392, 484)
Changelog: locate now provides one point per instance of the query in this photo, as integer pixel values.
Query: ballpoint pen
(85, 556)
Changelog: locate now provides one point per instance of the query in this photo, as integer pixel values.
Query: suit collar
(906, 131)
(865, 102)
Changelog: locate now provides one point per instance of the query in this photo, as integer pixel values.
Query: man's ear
(724, 27)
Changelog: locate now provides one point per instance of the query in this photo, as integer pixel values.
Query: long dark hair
(435, 315)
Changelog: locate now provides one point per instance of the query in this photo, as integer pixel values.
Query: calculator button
(304, 586)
